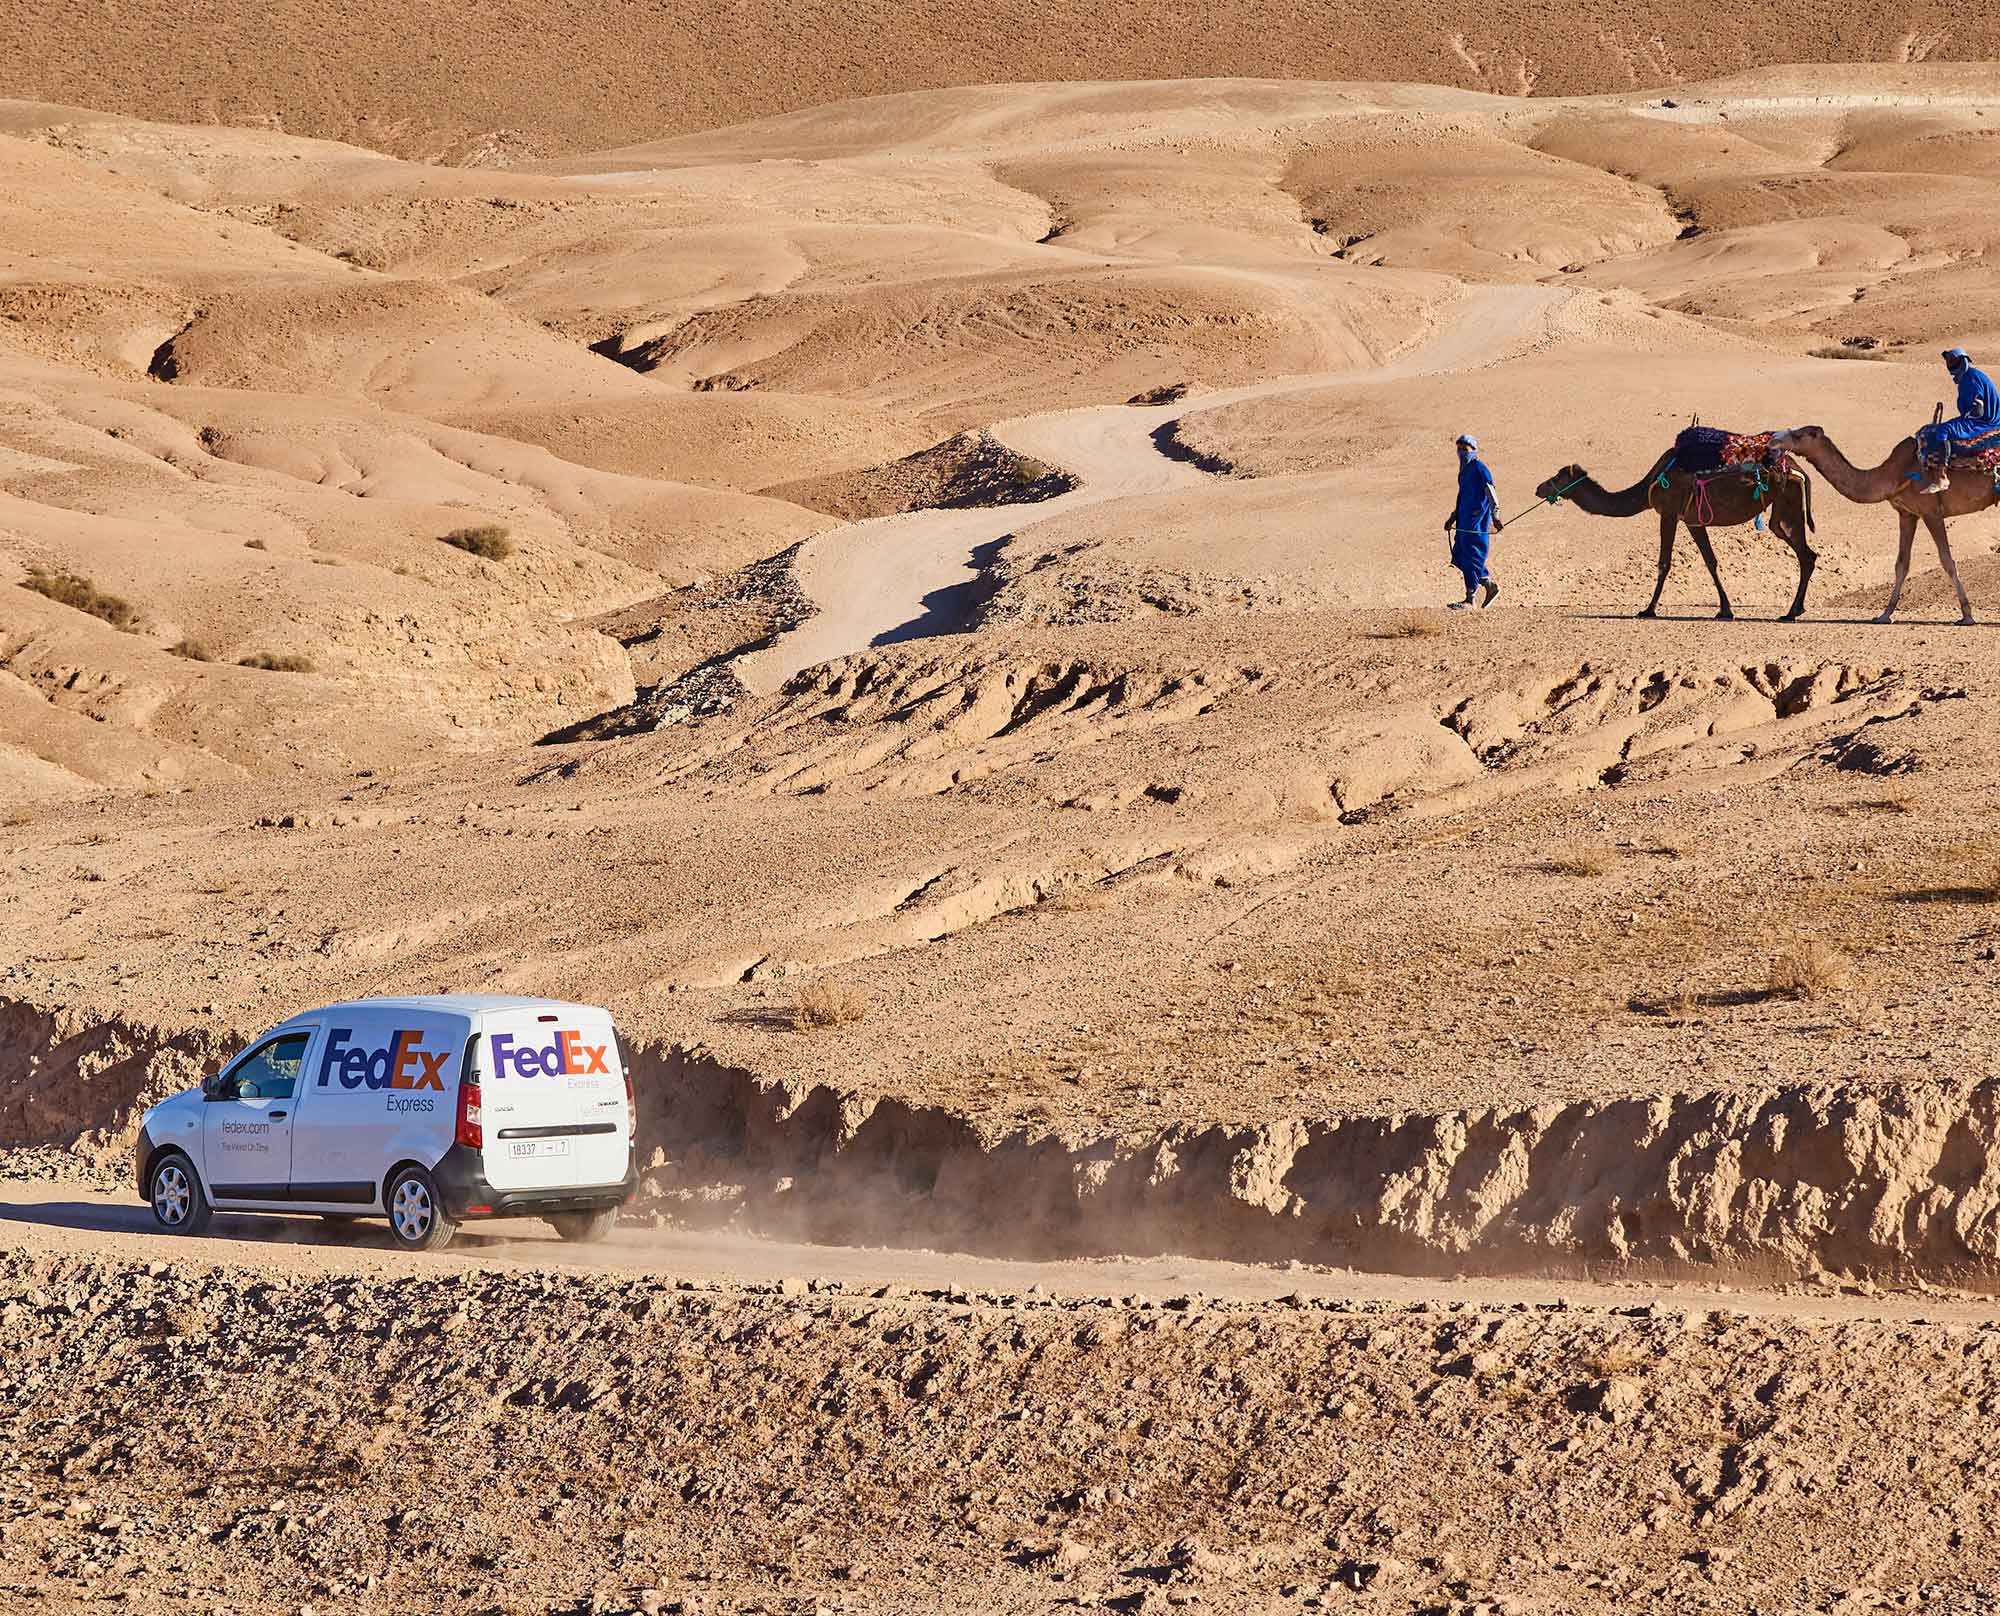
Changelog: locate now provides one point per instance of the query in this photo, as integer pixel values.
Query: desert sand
(970, 551)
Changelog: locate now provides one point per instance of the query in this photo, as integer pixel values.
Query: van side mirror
(211, 1086)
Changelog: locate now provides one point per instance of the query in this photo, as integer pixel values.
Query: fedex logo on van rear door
(566, 1055)
(402, 1063)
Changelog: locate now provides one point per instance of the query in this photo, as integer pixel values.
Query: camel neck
(1868, 486)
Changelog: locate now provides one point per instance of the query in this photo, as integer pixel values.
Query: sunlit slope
(490, 84)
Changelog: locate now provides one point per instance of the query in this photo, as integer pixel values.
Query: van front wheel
(179, 1206)
(584, 1226)
(417, 1217)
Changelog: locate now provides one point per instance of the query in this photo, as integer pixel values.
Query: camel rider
(1471, 522)
(1978, 414)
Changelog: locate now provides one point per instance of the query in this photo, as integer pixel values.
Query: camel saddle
(1709, 448)
(1980, 455)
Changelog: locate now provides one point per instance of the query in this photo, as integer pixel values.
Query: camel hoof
(1968, 622)
(1647, 613)
(1725, 617)
(1886, 617)
(1793, 617)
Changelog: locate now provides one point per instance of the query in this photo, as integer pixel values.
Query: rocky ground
(230, 1438)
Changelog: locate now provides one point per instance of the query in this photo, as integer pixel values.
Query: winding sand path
(904, 577)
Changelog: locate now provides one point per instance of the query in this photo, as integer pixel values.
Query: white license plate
(520, 1149)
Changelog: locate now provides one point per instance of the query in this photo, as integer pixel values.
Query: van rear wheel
(584, 1226)
(179, 1206)
(417, 1218)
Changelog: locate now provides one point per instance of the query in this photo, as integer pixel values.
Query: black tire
(180, 1206)
(584, 1227)
(417, 1218)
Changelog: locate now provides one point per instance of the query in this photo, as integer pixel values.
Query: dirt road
(74, 1220)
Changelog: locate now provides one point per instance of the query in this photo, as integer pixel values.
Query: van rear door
(544, 1078)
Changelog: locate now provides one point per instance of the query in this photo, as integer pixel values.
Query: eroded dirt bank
(1893, 1180)
(572, 1443)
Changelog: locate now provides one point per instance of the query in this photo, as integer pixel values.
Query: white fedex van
(424, 1110)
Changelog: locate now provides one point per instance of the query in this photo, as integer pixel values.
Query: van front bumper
(461, 1180)
(142, 1162)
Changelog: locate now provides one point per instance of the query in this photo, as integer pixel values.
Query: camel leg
(1905, 538)
(1700, 536)
(1795, 536)
(1935, 522)
(1668, 522)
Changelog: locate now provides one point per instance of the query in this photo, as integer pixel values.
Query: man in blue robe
(1978, 415)
(1470, 525)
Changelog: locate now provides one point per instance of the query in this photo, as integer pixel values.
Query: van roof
(464, 1004)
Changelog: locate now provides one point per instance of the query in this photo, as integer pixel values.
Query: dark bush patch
(489, 542)
(68, 589)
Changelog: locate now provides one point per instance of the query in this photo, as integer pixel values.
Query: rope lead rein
(1549, 499)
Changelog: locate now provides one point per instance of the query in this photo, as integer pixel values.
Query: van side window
(270, 1072)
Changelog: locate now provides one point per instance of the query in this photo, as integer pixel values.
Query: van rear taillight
(470, 1132)
(631, 1106)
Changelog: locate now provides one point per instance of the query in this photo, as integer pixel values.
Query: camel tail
(1807, 481)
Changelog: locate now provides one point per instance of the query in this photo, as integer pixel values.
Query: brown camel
(1702, 500)
(1970, 490)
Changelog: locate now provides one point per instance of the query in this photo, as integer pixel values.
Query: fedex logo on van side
(402, 1063)
(567, 1055)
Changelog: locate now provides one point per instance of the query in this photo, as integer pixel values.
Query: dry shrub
(193, 650)
(489, 542)
(1412, 626)
(1075, 896)
(1900, 804)
(255, 544)
(1847, 353)
(1979, 865)
(1677, 1004)
(1613, 1359)
(1810, 969)
(277, 664)
(68, 589)
(827, 1003)
(1583, 858)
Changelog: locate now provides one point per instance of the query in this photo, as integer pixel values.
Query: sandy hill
(416, 575)
(493, 85)
(930, 607)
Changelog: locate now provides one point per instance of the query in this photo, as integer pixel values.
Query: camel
(1971, 489)
(1702, 500)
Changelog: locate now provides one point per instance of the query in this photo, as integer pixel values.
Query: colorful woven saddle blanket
(1983, 450)
(1982, 456)
(1710, 448)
